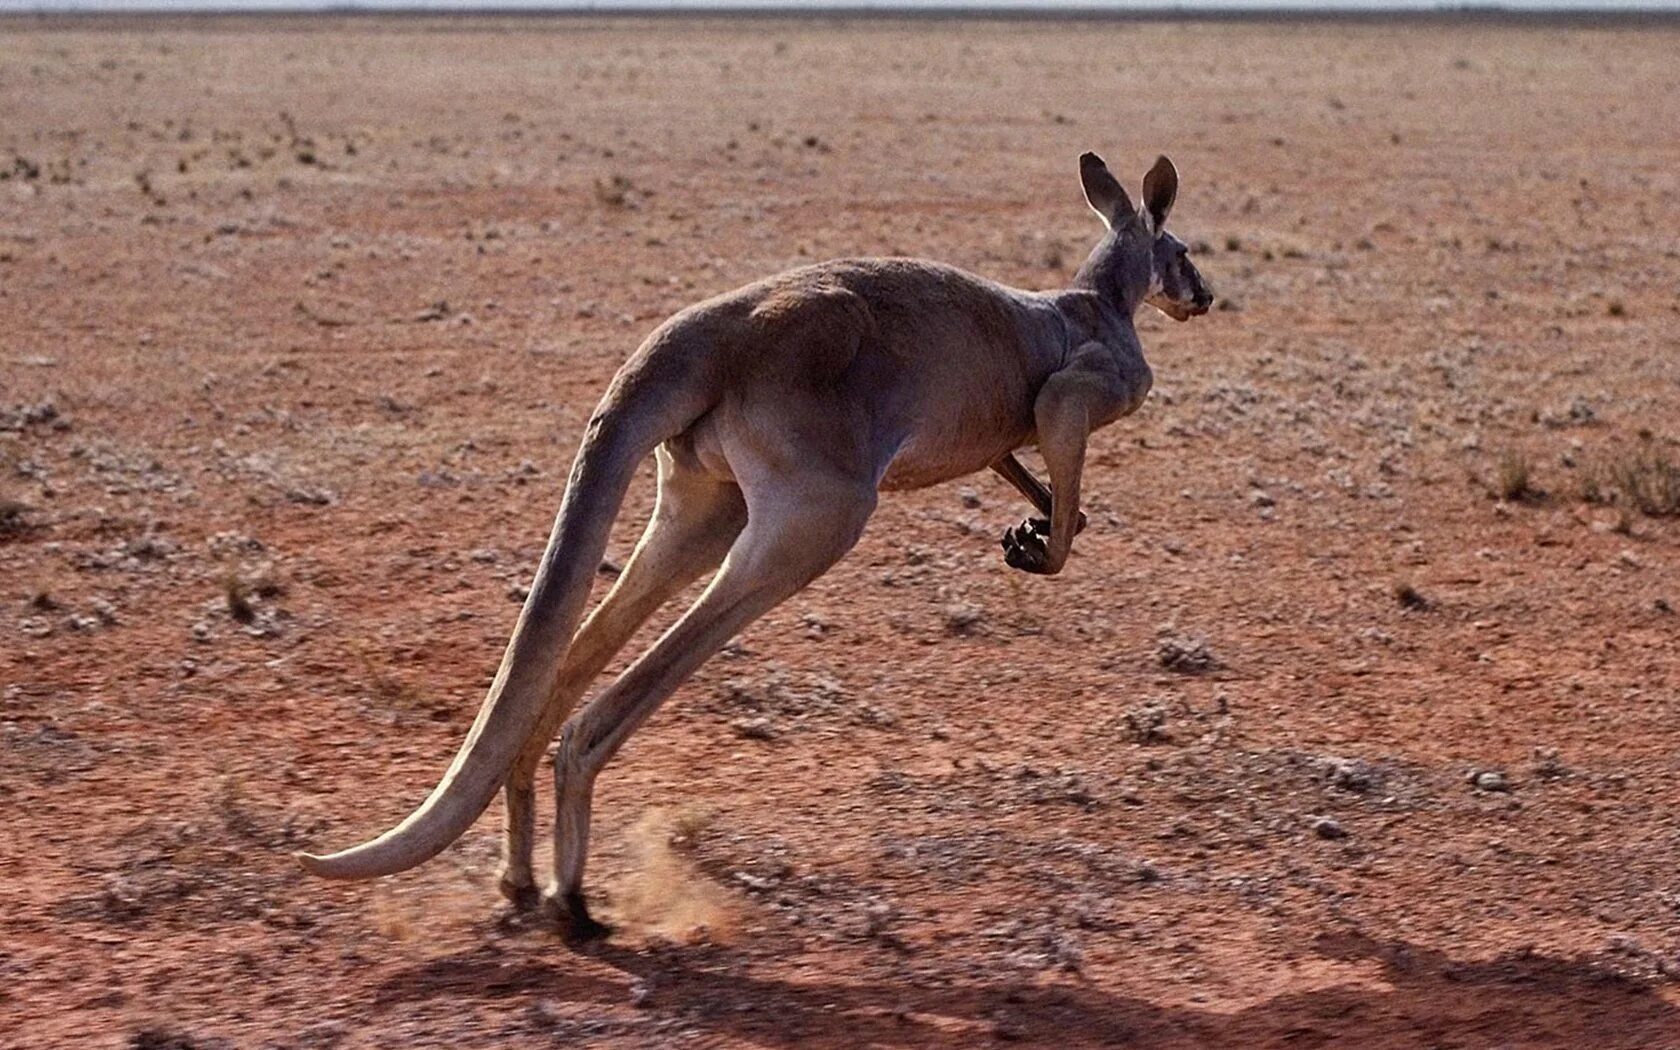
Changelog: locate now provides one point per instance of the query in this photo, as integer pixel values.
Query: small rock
(309, 497)
(1352, 774)
(1547, 764)
(1146, 723)
(149, 548)
(1328, 828)
(754, 728)
(1490, 780)
(962, 618)
(1185, 655)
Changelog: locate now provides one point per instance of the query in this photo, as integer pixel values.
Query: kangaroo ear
(1160, 189)
(1103, 191)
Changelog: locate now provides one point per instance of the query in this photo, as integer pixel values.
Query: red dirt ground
(308, 314)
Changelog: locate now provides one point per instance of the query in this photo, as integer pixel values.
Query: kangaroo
(777, 413)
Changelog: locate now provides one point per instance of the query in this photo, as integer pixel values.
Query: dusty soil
(1318, 738)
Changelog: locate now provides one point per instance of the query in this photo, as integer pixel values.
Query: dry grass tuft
(244, 589)
(614, 191)
(238, 599)
(13, 520)
(1645, 479)
(1649, 480)
(1513, 478)
(1409, 597)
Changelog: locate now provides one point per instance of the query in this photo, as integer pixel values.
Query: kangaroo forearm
(1036, 492)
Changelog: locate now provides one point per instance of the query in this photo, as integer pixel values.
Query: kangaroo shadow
(488, 972)
(1427, 999)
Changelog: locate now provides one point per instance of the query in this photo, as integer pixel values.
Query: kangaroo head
(1139, 261)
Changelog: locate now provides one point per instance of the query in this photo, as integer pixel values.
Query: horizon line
(1119, 9)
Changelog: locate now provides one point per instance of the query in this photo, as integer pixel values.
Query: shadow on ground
(1430, 1000)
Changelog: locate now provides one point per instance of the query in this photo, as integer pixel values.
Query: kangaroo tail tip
(317, 865)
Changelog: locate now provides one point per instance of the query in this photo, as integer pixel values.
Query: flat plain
(1356, 715)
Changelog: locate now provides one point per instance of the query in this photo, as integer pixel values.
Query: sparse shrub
(1409, 597)
(614, 191)
(238, 599)
(242, 592)
(1646, 480)
(1591, 485)
(1513, 478)
(12, 517)
(1649, 480)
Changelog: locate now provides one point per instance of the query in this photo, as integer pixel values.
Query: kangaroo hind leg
(801, 528)
(696, 518)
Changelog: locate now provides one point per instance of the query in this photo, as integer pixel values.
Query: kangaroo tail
(618, 438)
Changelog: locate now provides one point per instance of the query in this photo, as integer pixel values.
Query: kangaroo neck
(1091, 317)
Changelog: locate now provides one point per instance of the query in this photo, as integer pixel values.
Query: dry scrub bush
(1645, 479)
(1649, 480)
(1513, 479)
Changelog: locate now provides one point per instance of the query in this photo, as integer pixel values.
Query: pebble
(1328, 828)
(1490, 780)
(754, 728)
(962, 617)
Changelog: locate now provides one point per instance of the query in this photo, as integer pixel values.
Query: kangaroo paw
(1023, 545)
(524, 896)
(571, 914)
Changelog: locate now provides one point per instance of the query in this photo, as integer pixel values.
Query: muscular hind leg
(793, 535)
(695, 520)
